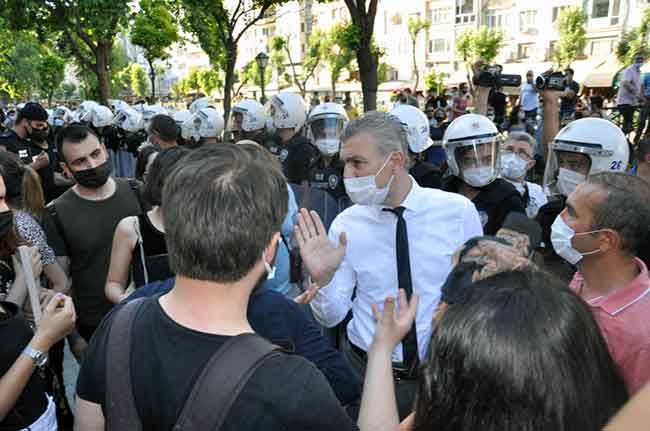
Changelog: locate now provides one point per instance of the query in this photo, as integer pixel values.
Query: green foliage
(67, 90)
(338, 49)
(209, 81)
(154, 30)
(481, 44)
(119, 79)
(635, 41)
(435, 80)
(51, 73)
(251, 74)
(382, 72)
(416, 25)
(19, 66)
(138, 78)
(571, 27)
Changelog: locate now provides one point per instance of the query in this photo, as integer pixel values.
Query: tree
(119, 80)
(482, 44)
(313, 56)
(382, 73)
(177, 90)
(138, 78)
(50, 73)
(67, 90)
(363, 20)
(19, 76)
(435, 80)
(634, 41)
(571, 28)
(219, 28)
(415, 26)
(338, 52)
(85, 29)
(208, 81)
(154, 30)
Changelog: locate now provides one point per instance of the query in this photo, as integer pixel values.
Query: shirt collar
(634, 291)
(412, 201)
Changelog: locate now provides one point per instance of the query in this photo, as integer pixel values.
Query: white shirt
(626, 97)
(536, 196)
(437, 222)
(528, 97)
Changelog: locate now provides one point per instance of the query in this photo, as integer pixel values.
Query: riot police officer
(472, 144)
(248, 121)
(204, 127)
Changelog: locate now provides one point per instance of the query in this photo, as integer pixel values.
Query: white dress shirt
(536, 196)
(438, 223)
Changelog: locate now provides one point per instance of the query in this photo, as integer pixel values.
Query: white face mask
(513, 167)
(364, 190)
(561, 235)
(568, 180)
(478, 177)
(328, 147)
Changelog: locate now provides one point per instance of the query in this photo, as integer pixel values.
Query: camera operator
(569, 97)
(497, 100)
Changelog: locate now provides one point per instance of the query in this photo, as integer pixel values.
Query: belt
(400, 372)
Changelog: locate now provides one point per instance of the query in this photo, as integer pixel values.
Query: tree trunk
(101, 70)
(415, 70)
(152, 78)
(229, 82)
(368, 74)
(334, 79)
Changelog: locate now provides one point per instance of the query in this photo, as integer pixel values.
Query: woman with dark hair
(24, 197)
(139, 246)
(145, 158)
(518, 352)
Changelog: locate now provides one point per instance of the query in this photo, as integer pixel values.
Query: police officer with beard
(288, 113)
(472, 145)
(324, 127)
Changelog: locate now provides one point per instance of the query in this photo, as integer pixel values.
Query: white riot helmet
(584, 147)
(288, 111)
(472, 145)
(102, 116)
(85, 111)
(150, 111)
(205, 123)
(181, 116)
(325, 126)
(199, 104)
(129, 120)
(252, 113)
(416, 124)
(118, 105)
(63, 113)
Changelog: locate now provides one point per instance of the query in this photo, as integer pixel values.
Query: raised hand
(392, 324)
(57, 321)
(305, 297)
(319, 256)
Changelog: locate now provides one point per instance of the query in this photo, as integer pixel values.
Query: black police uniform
(493, 203)
(426, 174)
(298, 157)
(329, 178)
(553, 263)
(13, 143)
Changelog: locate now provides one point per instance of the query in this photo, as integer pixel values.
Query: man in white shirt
(629, 93)
(517, 158)
(364, 255)
(528, 98)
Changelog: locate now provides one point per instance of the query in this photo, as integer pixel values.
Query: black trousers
(627, 111)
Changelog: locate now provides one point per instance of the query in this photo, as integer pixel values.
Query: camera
(491, 76)
(551, 81)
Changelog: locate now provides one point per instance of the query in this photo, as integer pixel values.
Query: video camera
(491, 76)
(551, 81)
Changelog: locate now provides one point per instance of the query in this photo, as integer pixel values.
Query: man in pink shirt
(604, 224)
(629, 92)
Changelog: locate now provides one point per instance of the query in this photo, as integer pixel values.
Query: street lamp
(262, 61)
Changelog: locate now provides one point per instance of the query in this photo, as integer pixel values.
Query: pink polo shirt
(624, 319)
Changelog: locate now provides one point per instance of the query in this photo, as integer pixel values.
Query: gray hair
(521, 137)
(626, 208)
(387, 129)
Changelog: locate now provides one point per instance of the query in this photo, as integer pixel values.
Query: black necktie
(410, 342)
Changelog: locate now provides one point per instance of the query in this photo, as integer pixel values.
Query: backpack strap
(221, 382)
(121, 412)
(143, 260)
(51, 209)
(133, 183)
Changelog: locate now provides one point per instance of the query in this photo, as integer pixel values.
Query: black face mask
(39, 134)
(6, 222)
(93, 178)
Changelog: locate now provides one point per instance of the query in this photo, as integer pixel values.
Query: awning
(603, 75)
(389, 86)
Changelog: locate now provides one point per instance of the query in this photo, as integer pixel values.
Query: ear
(66, 169)
(609, 240)
(531, 164)
(399, 159)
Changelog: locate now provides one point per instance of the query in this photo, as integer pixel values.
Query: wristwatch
(39, 358)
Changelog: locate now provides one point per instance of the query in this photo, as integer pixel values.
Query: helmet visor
(579, 163)
(477, 163)
(326, 128)
(236, 121)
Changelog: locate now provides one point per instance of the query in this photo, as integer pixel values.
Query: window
(440, 15)
(465, 11)
(438, 46)
(556, 12)
(525, 50)
(600, 8)
(601, 47)
(302, 27)
(527, 21)
(496, 19)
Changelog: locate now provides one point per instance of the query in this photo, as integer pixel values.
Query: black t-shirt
(569, 103)
(498, 101)
(329, 178)
(493, 203)
(87, 238)
(285, 393)
(16, 335)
